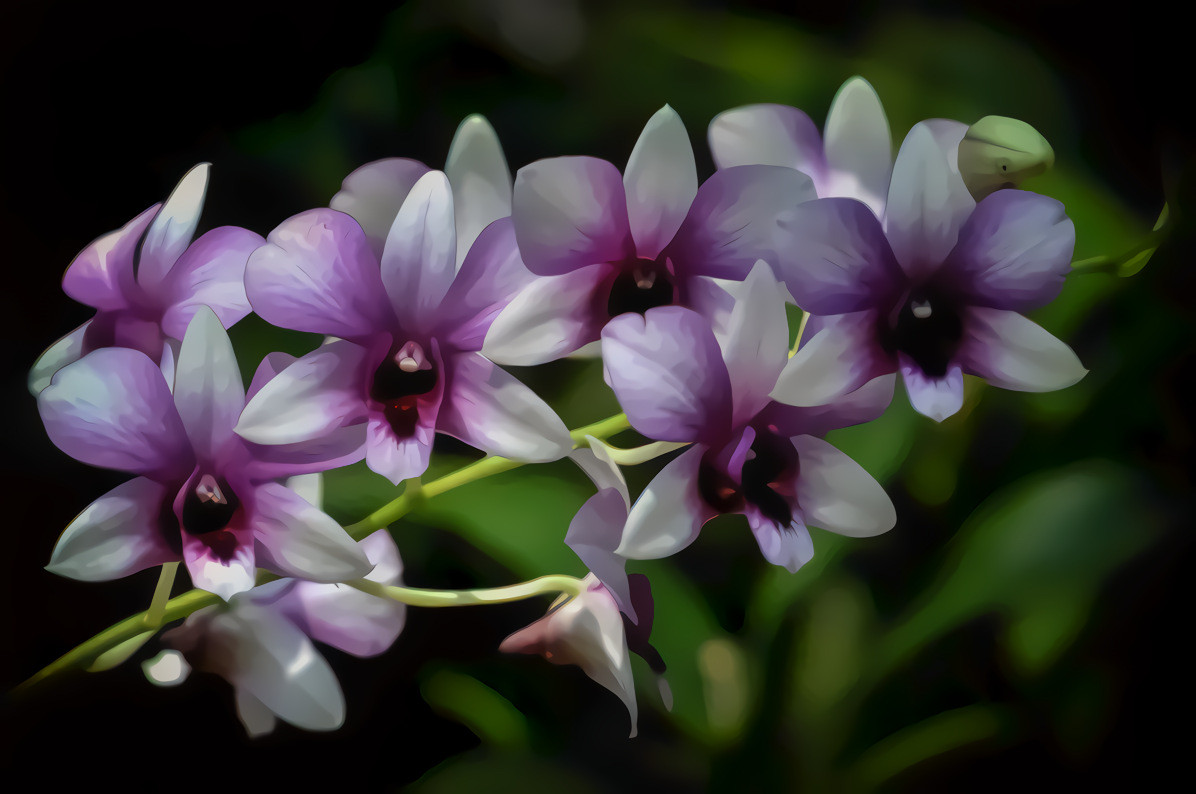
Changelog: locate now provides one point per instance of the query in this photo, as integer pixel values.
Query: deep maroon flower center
(927, 329)
(767, 480)
(645, 285)
(406, 375)
(208, 509)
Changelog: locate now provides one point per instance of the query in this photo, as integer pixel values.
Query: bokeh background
(1025, 623)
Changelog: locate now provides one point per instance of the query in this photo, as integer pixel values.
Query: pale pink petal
(661, 181)
(221, 562)
(767, 135)
(208, 392)
(66, 350)
(399, 459)
(550, 318)
(211, 272)
(859, 150)
(172, 228)
(840, 357)
(420, 258)
(373, 194)
(102, 274)
(790, 547)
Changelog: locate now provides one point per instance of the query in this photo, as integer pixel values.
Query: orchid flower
(260, 642)
(853, 160)
(202, 495)
(682, 377)
(934, 289)
(607, 243)
(409, 325)
(148, 279)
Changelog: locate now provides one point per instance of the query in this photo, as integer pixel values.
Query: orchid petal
(593, 534)
(550, 318)
(172, 228)
(481, 180)
(789, 547)
(669, 513)
(754, 340)
(373, 194)
(211, 272)
(491, 276)
(66, 350)
(661, 181)
(841, 357)
(102, 274)
(398, 459)
(226, 574)
(298, 539)
(858, 142)
(420, 258)
(937, 397)
(767, 135)
(835, 493)
(208, 392)
(1012, 352)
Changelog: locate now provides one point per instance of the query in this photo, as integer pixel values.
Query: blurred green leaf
(490, 716)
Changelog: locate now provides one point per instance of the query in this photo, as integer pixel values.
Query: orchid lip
(927, 327)
(403, 377)
(643, 285)
(765, 482)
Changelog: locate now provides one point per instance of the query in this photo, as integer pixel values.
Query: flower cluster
(426, 282)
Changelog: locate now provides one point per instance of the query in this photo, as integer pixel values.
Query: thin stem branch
(420, 597)
(153, 615)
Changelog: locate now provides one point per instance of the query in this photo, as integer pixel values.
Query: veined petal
(373, 194)
(320, 392)
(767, 134)
(211, 272)
(839, 358)
(113, 409)
(667, 371)
(928, 201)
(420, 258)
(492, 410)
(172, 228)
(1012, 352)
(936, 397)
(858, 144)
(551, 317)
(399, 459)
(734, 220)
(570, 212)
(66, 350)
(661, 181)
(300, 540)
(789, 547)
(116, 535)
(1013, 252)
(316, 273)
(102, 274)
(481, 180)
(491, 276)
(843, 262)
(669, 513)
(208, 392)
(835, 493)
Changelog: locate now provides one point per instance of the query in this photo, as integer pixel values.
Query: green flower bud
(999, 152)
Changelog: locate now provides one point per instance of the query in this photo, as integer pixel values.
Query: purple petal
(66, 350)
(224, 574)
(661, 181)
(269, 366)
(373, 194)
(211, 272)
(399, 459)
(339, 447)
(320, 392)
(734, 221)
(1012, 352)
(669, 513)
(789, 547)
(593, 534)
(570, 212)
(596, 462)
(835, 493)
(491, 409)
(116, 535)
(1013, 252)
(840, 358)
(667, 371)
(420, 259)
(491, 276)
(859, 150)
(208, 392)
(102, 274)
(316, 273)
(481, 180)
(844, 263)
(297, 539)
(113, 409)
(551, 317)
(936, 397)
(172, 228)
(928, 201)
(857, 407)
(767, 135)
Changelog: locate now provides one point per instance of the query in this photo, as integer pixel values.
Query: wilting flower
(203, 495)
(405, 365)
(935, 289)
(680, 380)
(147, 280)
(853, 160)
(607, 243)
(260, 642)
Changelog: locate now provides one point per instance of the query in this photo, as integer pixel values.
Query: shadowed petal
(789, 547)
(420, 258)
(1012, 352)
(669, 513)
(66, 350)
(854, 408)
(481, 180)
(858, 144)
(373, 194)
(172, 228)
(570, 212)
(211, 272)
(300, 540)
(550, 318)
(667, 371)
(208, 392)
(102, 274)
(661, 181)
(116, 535)
(841, 357)
(113, 409)
(491, 276)
(835, 493)
(937, 398)
(767, 135)
(227, 573)
(593, 534)
(399, 459)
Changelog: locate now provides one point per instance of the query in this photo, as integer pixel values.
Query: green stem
(419, 597)
(1115, 264)
(181, 606)
(801, 329)
(153, 615)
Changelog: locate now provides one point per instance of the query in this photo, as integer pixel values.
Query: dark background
(105, 107)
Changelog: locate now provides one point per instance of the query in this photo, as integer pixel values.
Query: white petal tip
(168, 668)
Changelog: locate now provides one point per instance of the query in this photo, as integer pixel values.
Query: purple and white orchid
(934, 289)
(853, 160)
(260, 642)
(607, 243)
(680, 378)
(409, 324)
(203, 495)
(148, 279)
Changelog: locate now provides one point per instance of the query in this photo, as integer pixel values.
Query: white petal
(836, 493)
(168, 668)
(548, 319)
(394, 458)
(1012, 352)
(837, 360)
(661, 181)
(767, 135)
(66, 350)
(224, 577)
(173, 227)
(596, 462)
(936, 397)
(208, 392)
(669, 513)
(789, 547)
(255, 717)
(857, 142)
(481, 180)
(302, 540)
(309, 487)
(420, 258)
(373, 193)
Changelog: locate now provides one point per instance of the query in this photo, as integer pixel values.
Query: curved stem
(181, 606)
(420, 597)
